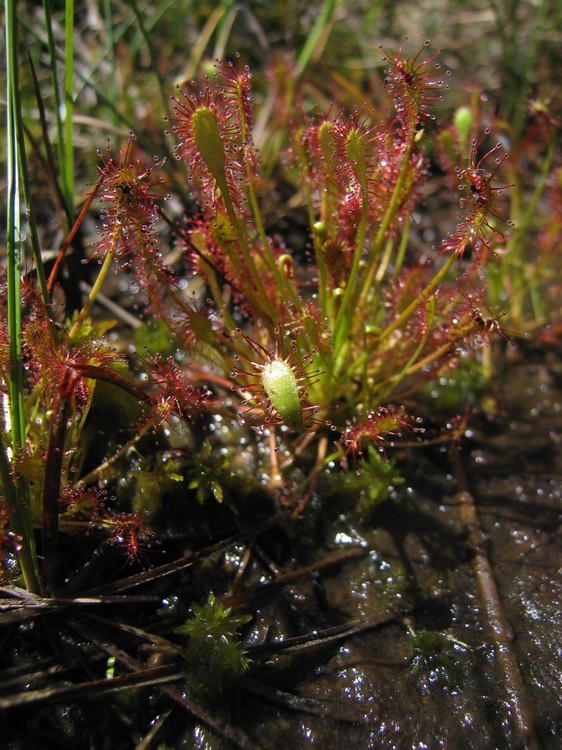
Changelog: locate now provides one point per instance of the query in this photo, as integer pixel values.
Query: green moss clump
(363, 491)
(214, 658)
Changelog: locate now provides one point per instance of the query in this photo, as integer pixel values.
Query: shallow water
(415, 666)
(428, 678)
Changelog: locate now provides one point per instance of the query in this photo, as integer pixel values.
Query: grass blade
(18, 505)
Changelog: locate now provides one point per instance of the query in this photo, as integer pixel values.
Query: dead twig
(493, 616)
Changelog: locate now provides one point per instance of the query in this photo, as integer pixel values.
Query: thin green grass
(17, 497)
(67, 165)
(317, 38)
(57, 111)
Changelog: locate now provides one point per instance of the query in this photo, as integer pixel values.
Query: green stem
(343, 319)
(399, 260)
(355, 295)
(164, 98)
(399, 376)
(389, 216)
(94, 291)
(110, 53)
(323, 296)
(318, 35)
(227, 11)
(30, 214)
(405, 316)
(18, 500)
(282, 282)
(262, 297)
(515, 255)
(68, 172)
(57, 107)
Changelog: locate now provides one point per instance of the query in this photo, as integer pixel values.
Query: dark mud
(429, 677)
(390, 647)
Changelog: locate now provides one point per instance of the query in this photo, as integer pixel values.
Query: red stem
(51, 489)
(66, 244)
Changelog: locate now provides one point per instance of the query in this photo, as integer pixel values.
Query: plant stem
(17, 501)
(262, 297)
(405, 371)
(30, 214)
(317, 38)
(164, 98)
(515, 257)
(72, 234)
(389, 216)
(94, 291)
(282, 282)
(68, 164)
(405, 316)
(356, 293)
(343, 319)
(101, 471)
(51, 488)
(227, 12)
(57, 108)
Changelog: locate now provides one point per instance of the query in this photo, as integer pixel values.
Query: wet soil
(391, 644)
(429, 677)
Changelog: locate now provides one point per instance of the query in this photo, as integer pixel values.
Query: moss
(214, 658)
(362, 491)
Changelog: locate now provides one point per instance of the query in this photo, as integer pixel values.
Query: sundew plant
(327, 346)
